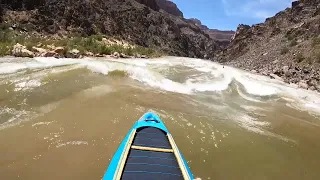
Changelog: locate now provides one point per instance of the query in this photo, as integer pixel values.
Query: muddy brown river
(64, 118)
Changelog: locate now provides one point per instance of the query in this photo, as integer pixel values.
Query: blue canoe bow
(148, 152)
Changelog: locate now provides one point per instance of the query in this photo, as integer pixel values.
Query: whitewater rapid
(210, 77)
(53, 108)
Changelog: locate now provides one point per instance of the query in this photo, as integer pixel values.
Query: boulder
(98, 55)
(49, 54)
(302, 84)
(313, 82)
(312, 88)
(90, 54)
(285, 70)
(116, 55)
(144, 57)
(264, 72)
(106, 56)
(39, 51)
(122, 55)
(21, 51)
(74, 53)
(51, 47)
(273, 76)
(59, 50)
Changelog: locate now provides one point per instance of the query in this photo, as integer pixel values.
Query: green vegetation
(299, 58)
(284, 50)
(94, 44)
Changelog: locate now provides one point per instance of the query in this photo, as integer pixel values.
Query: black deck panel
(145, 165)
(151, 137)
(165, 159)
(150, 176)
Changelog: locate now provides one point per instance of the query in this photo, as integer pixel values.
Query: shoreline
(302, 84)
(20, 44)
(117, 55)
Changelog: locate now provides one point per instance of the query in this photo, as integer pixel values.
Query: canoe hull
(155, 162)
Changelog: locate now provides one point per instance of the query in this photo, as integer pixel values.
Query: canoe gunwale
(124, 156)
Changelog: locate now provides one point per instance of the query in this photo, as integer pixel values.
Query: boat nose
(151, 117)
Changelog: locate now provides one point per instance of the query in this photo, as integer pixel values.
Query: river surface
(64, 118)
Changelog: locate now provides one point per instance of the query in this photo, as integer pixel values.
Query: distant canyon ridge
(171, 8)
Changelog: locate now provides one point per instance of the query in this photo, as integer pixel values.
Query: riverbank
(23, 44)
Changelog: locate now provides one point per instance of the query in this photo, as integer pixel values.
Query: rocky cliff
(150, 3)
(169, 7)
(215, 34)
(286, 46)
(140, 22)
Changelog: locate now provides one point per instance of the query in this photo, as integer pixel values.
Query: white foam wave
(8, 68)
(41, 123)
(14, 117)
(212, 77)
(27, 85)
(72, 143)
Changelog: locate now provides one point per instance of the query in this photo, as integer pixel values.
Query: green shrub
(4, 26)
(97, 37)
(284, 50)
(62, 42)
(29, 46)
(105, 50)
(84, 44)
(5, 49)
(129, 51)
(6, 36)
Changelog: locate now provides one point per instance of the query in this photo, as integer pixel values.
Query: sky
(228, 14)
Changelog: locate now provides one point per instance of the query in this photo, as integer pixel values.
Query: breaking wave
(206, 77)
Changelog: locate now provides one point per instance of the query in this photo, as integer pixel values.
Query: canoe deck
(151, 157)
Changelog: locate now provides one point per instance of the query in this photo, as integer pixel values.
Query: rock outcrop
(169, 7)
(215, 34)
(74, 53)
(287, 45)
(21, 51)
(150, 3)
(139, 22)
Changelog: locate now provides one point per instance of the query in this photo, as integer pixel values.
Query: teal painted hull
(147, 120)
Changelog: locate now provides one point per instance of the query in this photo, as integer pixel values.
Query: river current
(64, 118)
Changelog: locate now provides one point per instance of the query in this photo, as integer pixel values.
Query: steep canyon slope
(286, 46)
(142, 22)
